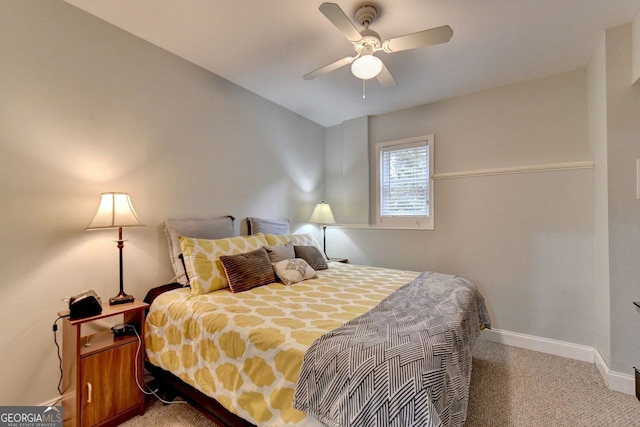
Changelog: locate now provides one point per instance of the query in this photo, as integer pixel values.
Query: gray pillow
(248, 270)
(280, 252)
(267, 226)
(312, 255)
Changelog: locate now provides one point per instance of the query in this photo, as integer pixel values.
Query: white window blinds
(404, 180)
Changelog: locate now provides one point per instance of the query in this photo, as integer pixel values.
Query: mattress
(246, 349)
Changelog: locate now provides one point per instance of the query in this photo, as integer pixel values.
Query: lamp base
(121, 298)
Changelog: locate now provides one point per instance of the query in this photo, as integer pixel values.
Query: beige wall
(88, 108)
(525, 239)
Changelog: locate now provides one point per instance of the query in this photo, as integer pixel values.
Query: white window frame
(423, 222)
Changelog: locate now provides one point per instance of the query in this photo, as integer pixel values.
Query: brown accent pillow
(312, 255)
(248, 270)
(280, 252)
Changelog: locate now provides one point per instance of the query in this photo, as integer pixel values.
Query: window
(404, 183)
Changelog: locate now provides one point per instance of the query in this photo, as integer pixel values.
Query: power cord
(147, 392)
(55, 341)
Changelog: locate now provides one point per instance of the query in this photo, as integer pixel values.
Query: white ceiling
(266, 46)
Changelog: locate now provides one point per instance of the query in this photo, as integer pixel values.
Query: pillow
(312, 255)
(294, 270)
(214, 228)
(248, 270)
(273, 226)
(280, 252)
(202, 259)
(296, 239)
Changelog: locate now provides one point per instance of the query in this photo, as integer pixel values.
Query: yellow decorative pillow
(202, 259)
(296, 239)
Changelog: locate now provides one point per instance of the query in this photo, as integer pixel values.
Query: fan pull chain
(364, 90)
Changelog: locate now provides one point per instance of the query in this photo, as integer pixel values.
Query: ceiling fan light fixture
(366, 67)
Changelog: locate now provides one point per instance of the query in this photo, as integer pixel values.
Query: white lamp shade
(322, 214)
(366, 67)
(115, 210)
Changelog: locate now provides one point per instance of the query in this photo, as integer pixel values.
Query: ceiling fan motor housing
(369, 43)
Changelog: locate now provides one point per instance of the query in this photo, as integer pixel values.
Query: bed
(344, 345)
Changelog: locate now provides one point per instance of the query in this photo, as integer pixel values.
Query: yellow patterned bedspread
(246, 349)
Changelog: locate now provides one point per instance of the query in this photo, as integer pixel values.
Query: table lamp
(322, 215)
(116, 211)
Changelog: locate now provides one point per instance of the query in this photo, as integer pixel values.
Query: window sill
(378, 227)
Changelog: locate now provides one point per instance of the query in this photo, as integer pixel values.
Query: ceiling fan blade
(385, 78)
(334, 14)
(328, 68)
(420, 39)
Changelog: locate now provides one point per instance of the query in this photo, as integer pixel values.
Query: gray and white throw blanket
(407, 362)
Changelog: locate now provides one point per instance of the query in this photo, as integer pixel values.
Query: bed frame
(171, 386)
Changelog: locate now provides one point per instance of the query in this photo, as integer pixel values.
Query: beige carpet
(509, 387)
(515, 387)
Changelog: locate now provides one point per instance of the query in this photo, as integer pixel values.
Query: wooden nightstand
(342, 260)
(100, 369)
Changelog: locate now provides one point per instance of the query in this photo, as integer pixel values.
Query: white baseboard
(616, 381)
(543, 345)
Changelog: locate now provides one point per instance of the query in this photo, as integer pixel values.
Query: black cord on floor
(55, 341)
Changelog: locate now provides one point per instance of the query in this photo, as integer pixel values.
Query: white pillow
(214, 228)
(293, 270)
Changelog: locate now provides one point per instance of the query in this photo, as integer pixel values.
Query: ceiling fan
(365, 65)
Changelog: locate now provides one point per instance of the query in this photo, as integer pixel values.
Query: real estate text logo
(31, 416)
